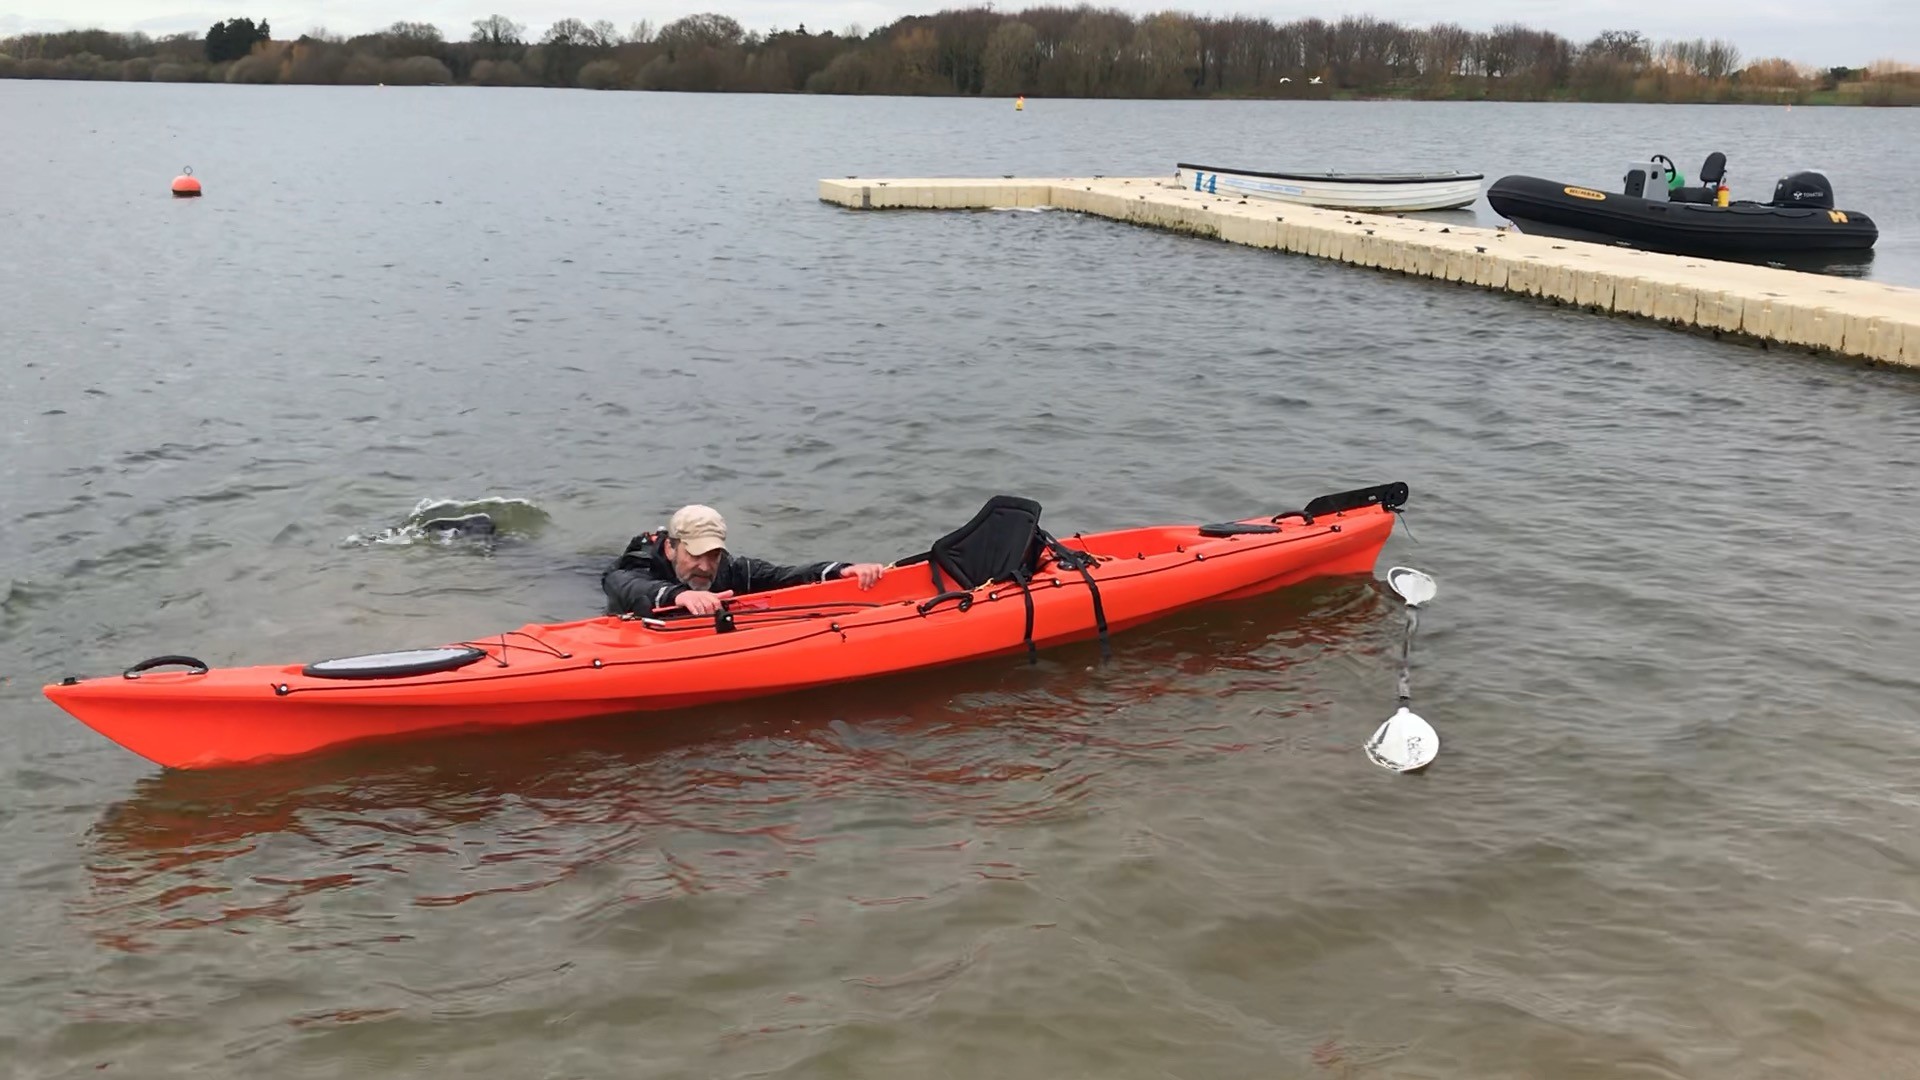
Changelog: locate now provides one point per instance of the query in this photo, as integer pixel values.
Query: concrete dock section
(1860, 319)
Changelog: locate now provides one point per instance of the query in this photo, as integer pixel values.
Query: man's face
(694, 571)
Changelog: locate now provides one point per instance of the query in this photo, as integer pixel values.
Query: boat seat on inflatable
(1712, 171)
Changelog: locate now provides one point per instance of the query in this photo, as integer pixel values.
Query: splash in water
(458, 521)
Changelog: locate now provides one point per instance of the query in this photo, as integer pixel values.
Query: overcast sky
(1827, 33)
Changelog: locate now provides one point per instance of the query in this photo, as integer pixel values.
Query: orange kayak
(1000, 585)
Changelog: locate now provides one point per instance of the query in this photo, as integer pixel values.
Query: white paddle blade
(1413, 586)
(1404, 743)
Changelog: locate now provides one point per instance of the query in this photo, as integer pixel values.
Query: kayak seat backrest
(1001, 543)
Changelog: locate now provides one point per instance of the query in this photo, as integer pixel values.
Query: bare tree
(1164, 56)
(698, 31)
(1443, 54)
(567, 32)
(498, 30)
(1627, 46)
(1090, 55)
(425, 33)
(1721, 59)
(1012, 58)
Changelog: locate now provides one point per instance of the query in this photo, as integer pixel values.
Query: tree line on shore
(1053, 51)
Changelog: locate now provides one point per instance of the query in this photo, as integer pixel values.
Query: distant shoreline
(1811, 100)
(1815, 101)
(1075, 53)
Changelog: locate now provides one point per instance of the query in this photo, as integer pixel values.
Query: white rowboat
(1389, 193)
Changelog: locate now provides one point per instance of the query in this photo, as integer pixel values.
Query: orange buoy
(185, 186)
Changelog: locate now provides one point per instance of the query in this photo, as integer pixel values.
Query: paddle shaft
(1406, 656)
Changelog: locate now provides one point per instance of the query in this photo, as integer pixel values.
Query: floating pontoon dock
(1861, 319)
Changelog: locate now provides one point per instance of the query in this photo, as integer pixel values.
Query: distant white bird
(1315, 81)
(1283, 78)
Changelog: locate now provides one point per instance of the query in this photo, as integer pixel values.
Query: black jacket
(643, 577)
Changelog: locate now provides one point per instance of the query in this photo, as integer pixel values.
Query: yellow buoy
(1019, 103)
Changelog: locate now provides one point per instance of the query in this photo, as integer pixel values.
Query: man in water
(687, 566)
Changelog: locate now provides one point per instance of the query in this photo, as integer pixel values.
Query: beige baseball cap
(697, 528)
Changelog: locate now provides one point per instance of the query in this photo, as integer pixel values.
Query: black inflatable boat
(1657, 211)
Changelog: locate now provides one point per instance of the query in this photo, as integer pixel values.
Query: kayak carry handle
(199, 667)
(1305, 518)
(965, 599)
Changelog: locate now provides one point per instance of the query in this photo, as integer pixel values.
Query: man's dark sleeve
(631, 586)
(758, 575)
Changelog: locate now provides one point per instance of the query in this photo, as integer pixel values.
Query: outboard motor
(1809, 189)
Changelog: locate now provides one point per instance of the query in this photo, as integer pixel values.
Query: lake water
(1672, 830)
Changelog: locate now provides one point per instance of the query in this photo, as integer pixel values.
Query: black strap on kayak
(1024, 579)
(1069, 559)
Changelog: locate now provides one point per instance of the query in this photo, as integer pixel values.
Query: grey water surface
(1672, 828)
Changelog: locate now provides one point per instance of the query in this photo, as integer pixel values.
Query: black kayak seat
(1002, 542)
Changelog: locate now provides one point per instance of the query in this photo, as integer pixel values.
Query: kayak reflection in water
(687, 565)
